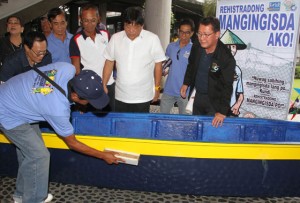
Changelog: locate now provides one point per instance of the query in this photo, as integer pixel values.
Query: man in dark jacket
(211, 71)
(33, 54)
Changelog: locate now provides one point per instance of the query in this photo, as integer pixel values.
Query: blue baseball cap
(88, 85)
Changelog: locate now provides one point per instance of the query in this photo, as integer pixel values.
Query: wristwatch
(157, 88)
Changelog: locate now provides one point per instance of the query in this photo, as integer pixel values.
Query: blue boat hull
(192, 176)
(199, 175)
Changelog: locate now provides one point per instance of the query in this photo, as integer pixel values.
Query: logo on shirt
(186, 54)
(41, 85)
(214, 67)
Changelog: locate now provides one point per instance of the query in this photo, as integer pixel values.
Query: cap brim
(100, 102)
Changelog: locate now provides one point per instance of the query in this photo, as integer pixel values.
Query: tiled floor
(64, 193)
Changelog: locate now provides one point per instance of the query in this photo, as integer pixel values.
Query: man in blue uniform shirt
(28, 98)
(59, 38)
(179, 52)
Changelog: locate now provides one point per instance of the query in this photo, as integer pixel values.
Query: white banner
(264, 35)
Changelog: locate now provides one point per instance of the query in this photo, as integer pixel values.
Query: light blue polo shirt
(178, 67)
(59, 49)
(29, 98)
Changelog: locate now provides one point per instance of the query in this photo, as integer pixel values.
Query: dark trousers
(111, 95)
(132, 108)
(202, 105)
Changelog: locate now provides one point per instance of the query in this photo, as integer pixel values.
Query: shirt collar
(68, 35)
(85, 36)
(177, 43)
(141, 36)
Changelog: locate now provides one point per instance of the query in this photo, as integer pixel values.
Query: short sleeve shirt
(59, 49)
(179, 57)
(29, 98)
(135, 61)
(90, 52)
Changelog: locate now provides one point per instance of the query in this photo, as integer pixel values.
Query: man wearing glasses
(211, 71)
(179, 53)
(88, 45)
(33, 54)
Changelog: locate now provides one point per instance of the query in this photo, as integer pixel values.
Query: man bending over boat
(28, 98)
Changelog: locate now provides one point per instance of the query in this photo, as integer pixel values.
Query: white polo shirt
(135, 61)
(90, 52)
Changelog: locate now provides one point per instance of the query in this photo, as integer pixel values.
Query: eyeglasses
(184, 33)
(178, 54)
(41, 53)
(205, 35)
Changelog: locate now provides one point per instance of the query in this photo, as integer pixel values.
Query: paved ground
(64, 193)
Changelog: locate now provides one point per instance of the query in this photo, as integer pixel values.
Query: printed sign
(263, 36)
